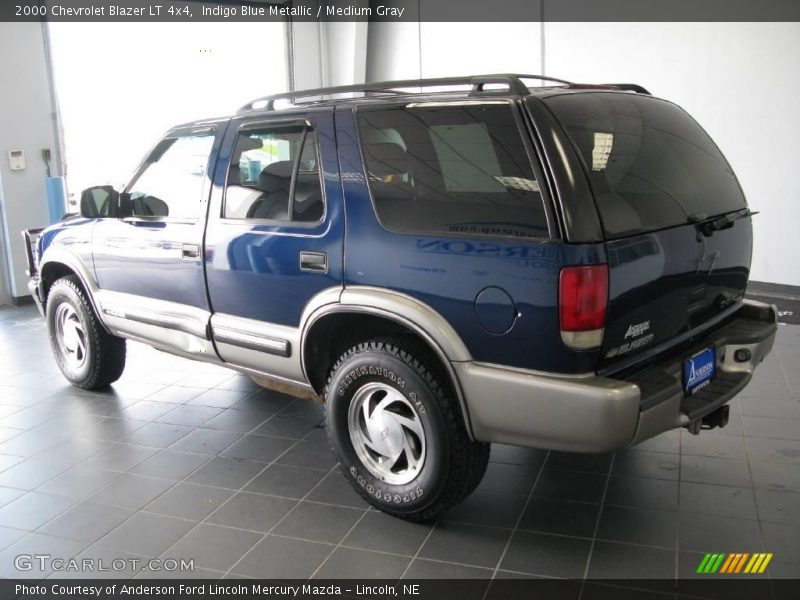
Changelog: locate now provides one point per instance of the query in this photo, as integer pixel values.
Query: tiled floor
(187, 461)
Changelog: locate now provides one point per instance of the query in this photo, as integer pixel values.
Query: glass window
(650, 164)
(171, 184)
(274, 175)
(454, 169)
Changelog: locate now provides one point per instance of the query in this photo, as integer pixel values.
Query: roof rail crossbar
(479, 84)
(625, 87)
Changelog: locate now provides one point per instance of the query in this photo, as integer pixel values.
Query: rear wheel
(397, 430)
(88, 356)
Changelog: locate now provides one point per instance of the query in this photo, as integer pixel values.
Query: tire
(88, 356)
(396, 427)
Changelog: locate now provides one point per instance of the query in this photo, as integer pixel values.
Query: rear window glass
(451, 169)
(651, 166)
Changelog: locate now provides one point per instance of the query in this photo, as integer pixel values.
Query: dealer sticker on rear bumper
(699, 370)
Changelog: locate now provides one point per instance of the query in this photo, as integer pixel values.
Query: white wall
(737, 79)
(25, 123)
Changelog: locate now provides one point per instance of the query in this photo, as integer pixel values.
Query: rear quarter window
(650, 165)
(459, 169)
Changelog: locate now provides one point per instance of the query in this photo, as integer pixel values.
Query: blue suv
(444, 263)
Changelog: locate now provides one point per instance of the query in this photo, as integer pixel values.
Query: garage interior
(189, 461)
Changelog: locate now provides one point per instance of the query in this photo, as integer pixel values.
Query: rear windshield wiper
(709, 226)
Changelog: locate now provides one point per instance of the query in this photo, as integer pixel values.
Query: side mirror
(98, 201)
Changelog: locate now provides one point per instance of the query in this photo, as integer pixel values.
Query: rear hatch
(678, 231)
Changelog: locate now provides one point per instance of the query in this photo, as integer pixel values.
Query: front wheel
(88, 356)
(397, 430)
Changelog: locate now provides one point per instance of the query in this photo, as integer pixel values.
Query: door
(274, 237)
(148, 259)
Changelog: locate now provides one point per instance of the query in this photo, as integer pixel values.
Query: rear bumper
(599, 414)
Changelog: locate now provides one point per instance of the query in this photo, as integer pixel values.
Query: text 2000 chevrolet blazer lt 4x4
(560, 267)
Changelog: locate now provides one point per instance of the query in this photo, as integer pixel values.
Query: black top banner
(400, 10)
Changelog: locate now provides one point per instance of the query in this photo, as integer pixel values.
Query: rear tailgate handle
(190, 251)
(317, 262)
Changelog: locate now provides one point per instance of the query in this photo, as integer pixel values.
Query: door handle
(316, 262)
(190, 251)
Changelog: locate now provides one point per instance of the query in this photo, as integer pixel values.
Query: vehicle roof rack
(479, 84)
(625, 87)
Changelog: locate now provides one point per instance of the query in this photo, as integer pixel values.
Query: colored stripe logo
(736, 562)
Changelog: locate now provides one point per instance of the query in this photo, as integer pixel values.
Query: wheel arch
(364, 314)
(54, 267)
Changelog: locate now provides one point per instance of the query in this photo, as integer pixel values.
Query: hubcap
(387, 433)
(70, 336)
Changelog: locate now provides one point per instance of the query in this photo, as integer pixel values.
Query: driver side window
(171, 183)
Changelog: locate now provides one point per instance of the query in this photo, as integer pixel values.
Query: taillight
(582, 303)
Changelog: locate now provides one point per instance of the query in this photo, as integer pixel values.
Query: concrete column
(27, 123)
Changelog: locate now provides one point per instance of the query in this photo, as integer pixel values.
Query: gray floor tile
(8, 495)
(240, 421)
(548, 555)
(79, 482)
(772, 427)
(423, 568)
(560, 516)
(706, 533)
(158, 435)
(206, 441)
(508, 479)
(654, 465)
(86, 522)
(515, 455)
(189, 501)
(655, 494)
(335, 489)
(255, 512)
(259, 447)
(713, 443)
(569, 461)
(132, 491)
(349, 563)
(170, 464)
(778, 507)
(318, 522)
(30, 473)
(721, 471)
(381, 532)
(281, 480)
(36, 544)
(487, 508)
(218, 398)
(774, 450)
(721, 500)
(215, 547)
(147, 410)
(783, 540)
(466, 544)
(191, 416)
(638, 526)
(312, 455)
(9, 535)
(775, 476)
(32, 510)
(120, 457)
(284, 558)
(623, 561)
(570, 485)
(232, 473)
(288, 426)
(146, 534)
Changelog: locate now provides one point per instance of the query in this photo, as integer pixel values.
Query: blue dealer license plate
(699, 370)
